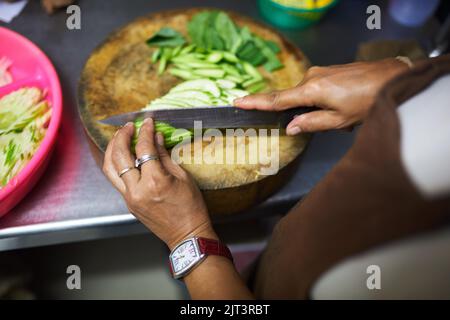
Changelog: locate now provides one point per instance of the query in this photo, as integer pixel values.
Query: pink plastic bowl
(30, 67)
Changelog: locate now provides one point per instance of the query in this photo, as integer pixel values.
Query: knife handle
(289, 114)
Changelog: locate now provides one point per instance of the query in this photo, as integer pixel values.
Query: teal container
(291, 17)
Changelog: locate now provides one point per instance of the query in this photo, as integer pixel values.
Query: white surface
(9, 11)
(417, 268)
(425, 132)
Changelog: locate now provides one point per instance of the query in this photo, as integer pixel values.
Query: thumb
(276, 100)
(314, 121)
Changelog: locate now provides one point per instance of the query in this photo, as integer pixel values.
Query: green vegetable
(23, 118)
(230, 57)
(196, 29)
(170, 139)
(166, 37)
(272, 63)
(176, 50)
(251, 71)
(273, 46)
(228, 31)
(214, 57)
(210, 73)
(156, 54)
(183, 74)
(256, 87)
(187, 49)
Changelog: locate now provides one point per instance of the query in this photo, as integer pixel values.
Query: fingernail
(160, 139)
(128, 124)
(292, 131)
(148, 120)
(238, 101)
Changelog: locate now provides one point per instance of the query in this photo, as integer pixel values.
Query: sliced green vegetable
(156, 54)
(256, 87)
(187, 49)
(226, 84)
(183, 74)
(215, 56)
(251, 71)
(176, 51)
(234, 78)
(210, 73)
(24, 115)
(230, 69)
(204, 85)
(230, 57)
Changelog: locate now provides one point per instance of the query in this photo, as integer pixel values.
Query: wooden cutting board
(118, 77)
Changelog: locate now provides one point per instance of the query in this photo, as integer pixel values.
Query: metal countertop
(73, 201)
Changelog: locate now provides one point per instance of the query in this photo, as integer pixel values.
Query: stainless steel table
(73, 201)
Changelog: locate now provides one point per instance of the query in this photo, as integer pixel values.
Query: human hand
(345, 93)
(161, 195)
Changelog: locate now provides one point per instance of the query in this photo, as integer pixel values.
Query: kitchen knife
(211, 117)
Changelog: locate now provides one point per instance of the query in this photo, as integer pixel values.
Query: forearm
(216, 278)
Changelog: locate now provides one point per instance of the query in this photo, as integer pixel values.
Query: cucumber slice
(176, 51)
(230, 69)
(186, 58)
(230, 57)
(187, 49)
(226, 84)
(256, 87)
(201, 65)
(233, 78)
(236, 93)
(190, 94)
(183, 74)
(210, 73)
(204, 85)
(251, 70)
(168, 101)
(182, 66)
(156, 54)
(249, 82)
(153, 106)
(215, 56)
(185, 102)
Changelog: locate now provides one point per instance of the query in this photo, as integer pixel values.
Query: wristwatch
(191, 252)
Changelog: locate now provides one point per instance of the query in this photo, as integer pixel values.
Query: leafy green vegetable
(272, 63)
(228, 31)
(196, 28)
(166, 37)
(273, 46)
(214, 30)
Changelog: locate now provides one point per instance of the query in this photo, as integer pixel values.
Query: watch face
(184, 256)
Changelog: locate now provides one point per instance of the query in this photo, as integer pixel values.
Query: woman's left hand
(161, 195)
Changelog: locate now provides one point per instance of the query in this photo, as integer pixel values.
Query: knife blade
(211, 117)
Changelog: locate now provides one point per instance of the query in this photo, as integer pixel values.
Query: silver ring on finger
(121, 173)
(146, 157)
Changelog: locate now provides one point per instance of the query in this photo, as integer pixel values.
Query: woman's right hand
(345, 94)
